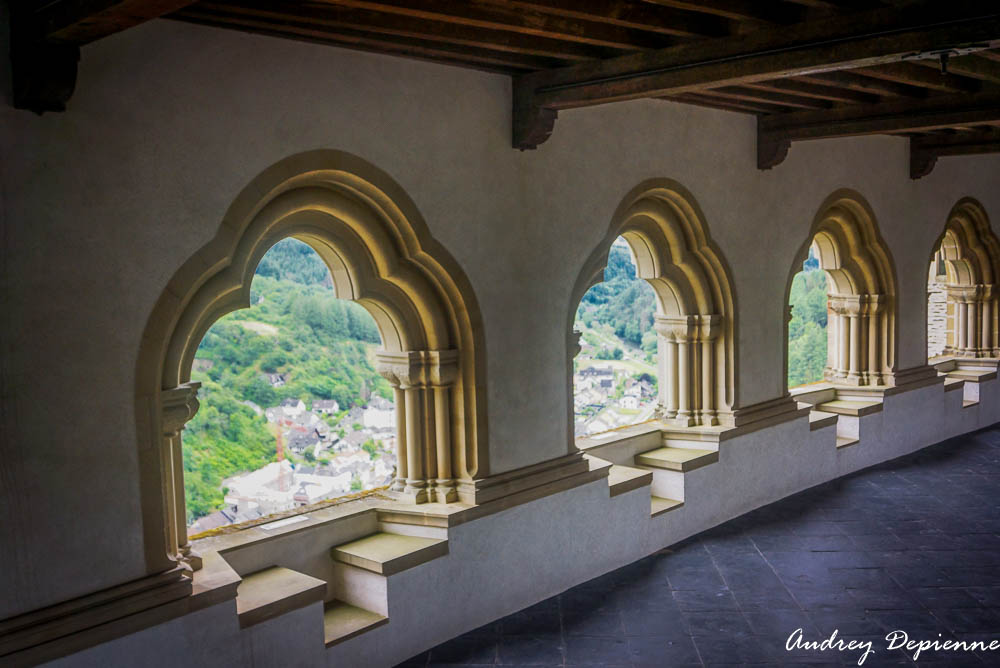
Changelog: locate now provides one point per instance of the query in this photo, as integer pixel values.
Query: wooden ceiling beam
(916, 75)
(45, 40)
(740, 10)
(634, 15)
(523, 20)
(83, 21)
(818, 91)
(725, 104)
(974, 66)
(334, 18)
(751, 93)
(776, 133)
(858, 40)
(494, 61)
(858, 83)
(925, 150)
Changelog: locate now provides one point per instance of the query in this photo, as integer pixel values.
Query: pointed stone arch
(381, 255)
(970, 253)
(861, 291)
(663, 225)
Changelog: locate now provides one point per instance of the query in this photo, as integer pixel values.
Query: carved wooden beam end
(43, 74)
(532, 124)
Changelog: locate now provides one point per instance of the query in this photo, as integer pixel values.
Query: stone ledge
(660, 505)
(388, 554)
(678, 459)
(851, 408)
(53, 632)
(343, 621)
(847, 441)
(819, 419)
(274, 591)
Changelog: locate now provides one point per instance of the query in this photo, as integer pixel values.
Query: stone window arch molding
(664, 226)
(381, 255)
(861, 292)
(971, 253)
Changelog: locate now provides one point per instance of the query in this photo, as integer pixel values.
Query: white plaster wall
(102, 204)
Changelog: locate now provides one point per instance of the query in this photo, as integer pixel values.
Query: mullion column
(177, 406)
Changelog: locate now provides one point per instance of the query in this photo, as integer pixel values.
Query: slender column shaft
(169, 487)
(708, 383)
(683, 379)
(180, 511)
(414, 444)
(673, 373)
(988, 328)
(442, 425)
(401, 448)
(961, 318)
(845, 346)
(855, 345)
(970, 327)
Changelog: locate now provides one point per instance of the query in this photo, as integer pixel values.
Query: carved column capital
(963, 294)
(678, 328)
(872, 304)
(177, 406)
(418, 368)
(709, 327)
(573, 343)
(846, 305)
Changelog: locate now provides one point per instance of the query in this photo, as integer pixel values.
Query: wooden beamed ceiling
(807, 69)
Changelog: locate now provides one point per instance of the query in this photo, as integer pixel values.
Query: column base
(444, 492)
(413, 494)
(683, 419)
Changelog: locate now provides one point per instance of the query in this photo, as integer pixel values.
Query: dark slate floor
(913, 544)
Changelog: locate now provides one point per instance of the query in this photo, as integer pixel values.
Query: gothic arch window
(861, 292)
(381, 256)
(694, 320)
(962, 293)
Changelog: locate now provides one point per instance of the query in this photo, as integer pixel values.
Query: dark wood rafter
(927, 76)
(639, 15)
(907, 116)
(859, 40)
(83, 21)
(332, 19)
(817, 91)
(46, 39)
(926, 149)
(477, 58)
(740, 10)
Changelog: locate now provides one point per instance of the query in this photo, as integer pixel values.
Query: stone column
(961, 318)
(874, 307)
(670, 360)
(177, 407)
(986, 333)
(708, 330)
(422, 383)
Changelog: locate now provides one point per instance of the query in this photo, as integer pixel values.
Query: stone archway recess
(971, 254)
(663, 225)
(861, 292)
(381, 255)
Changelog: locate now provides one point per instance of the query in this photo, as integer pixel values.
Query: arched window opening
(614, 374)
(961, 287)
(380, 255)
(807, 335)
(860, 299)
(292, 409)
(693, 322)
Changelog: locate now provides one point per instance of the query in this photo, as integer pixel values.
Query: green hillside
(295, 327)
